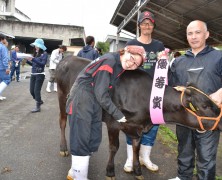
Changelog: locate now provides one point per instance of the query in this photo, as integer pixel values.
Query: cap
(146, 15)
(137, 50)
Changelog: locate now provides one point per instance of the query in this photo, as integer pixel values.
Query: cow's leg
(113, 133)
(136, 163)
(63, 143)
(62, 122)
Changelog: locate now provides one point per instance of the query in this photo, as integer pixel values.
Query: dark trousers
(36, 83)
(85, 122)
(52, 73)
(148, 138)
(205, 145)
(14, 69)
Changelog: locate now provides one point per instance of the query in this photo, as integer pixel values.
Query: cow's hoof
(110, 178)
(139, 177)
(64, 153)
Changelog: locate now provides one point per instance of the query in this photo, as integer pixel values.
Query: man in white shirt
(56, 56)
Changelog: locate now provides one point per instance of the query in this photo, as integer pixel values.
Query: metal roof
(172, 18)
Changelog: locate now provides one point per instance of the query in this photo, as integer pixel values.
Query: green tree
(104, 46)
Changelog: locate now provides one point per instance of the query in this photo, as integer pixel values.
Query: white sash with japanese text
(158, 88)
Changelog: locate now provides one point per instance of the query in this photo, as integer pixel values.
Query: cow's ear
(180, 88)
(187, 99)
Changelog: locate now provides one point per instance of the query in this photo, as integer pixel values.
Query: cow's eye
(204, 106)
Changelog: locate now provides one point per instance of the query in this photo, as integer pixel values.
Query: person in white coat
(56, 56)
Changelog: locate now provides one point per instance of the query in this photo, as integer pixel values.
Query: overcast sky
(94, 15)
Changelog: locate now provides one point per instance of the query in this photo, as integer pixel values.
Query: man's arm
(5, 58)
(54, 57)
(13, 56)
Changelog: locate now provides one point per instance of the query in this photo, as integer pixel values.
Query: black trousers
(204, 145)
(36, 83)
(85, 121)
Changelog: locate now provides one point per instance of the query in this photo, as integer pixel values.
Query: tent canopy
(172, 18)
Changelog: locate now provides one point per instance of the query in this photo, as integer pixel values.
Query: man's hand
(7, 71)
(123, 119)
(217, 97)
(163, 54)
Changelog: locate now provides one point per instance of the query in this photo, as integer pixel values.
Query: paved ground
(29, 143)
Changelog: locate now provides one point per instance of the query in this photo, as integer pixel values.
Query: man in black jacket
(201, 65)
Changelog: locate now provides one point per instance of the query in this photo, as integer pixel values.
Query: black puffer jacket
(38, 63)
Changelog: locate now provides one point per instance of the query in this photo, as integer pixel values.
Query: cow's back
(68, 70)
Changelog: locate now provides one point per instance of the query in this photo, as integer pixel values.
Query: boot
(145, 158)
(70, 175)
(3, 85)
(37, 108)
(17, 78)
(176, 178)
(41, 102)
(128, 167)
(79, 169)
(2, 98)
(48, 87)
(55, 87)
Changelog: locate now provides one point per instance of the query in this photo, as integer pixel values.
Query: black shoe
(18, 81)
(41, 102)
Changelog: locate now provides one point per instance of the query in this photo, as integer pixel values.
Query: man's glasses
(147, 24)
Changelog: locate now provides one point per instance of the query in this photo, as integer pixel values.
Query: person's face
(5, 42)
(37, 49)
(61, 50)
(146, 27)
(131, 61)
(196, 35)
(16, 49)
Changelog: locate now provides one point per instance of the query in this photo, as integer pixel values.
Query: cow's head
(202, 106)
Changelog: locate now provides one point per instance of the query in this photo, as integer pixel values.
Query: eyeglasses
(147, 24)
(133, 60)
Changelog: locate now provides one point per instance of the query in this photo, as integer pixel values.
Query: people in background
(88, 51)
(99, 51)
(146, 24)
(15, 63)
(175, 55)
(55, 58)
(38, 62)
